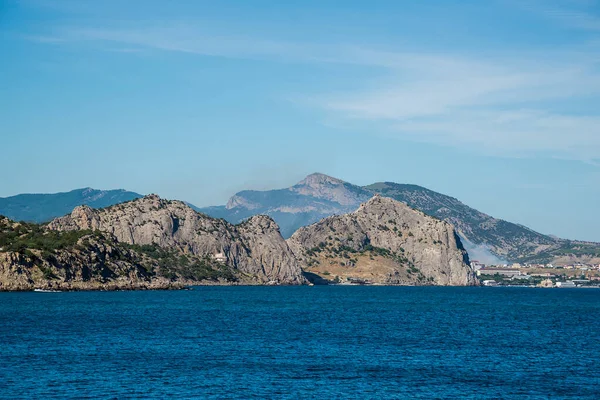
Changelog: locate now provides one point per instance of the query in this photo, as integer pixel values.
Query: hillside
(315, 197)
(504, 239)
(254, 248)
(153, 243)
(384, 242)
(33, 257)
(44, 207)
(319, 196)
(512, 242)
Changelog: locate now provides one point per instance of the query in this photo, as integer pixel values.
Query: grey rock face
(92, 263)
(319, 196)
(384, 227)
(255, 248)
(325, 187)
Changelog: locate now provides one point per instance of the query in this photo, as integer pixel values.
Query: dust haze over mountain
(481, 253)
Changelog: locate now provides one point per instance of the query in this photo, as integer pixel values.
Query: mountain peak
(324, 187)
(378, 202)
(318, 178)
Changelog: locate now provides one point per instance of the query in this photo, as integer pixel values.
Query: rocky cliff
(504, 240)
(255, 249)
(156, 243)
(386, 242)
(31, 257)
(489, 239)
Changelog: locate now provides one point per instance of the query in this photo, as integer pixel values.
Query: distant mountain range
(489, 239)
(153, 243)
(318, 196)
(315, 197)
(44, 207)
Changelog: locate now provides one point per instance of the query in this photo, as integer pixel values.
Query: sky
(495, 102)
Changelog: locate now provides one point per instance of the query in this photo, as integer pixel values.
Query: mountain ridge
(497, 240)
(318, 196)
(43, 207)
(254, 247)
(153, 243)
(384, 241)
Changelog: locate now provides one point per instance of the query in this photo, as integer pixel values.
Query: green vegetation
(567, 248)
(31, 239)
(44, 207)
(47, 272)
(172, 264)
(380, 251)
(24, 237)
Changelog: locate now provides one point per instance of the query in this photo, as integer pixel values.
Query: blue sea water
(302, 342)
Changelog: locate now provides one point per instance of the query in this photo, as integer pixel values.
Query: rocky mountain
(319, 196)
(315, 197)
(33, 257)
(508, 241)
(44, 207)
(384, 242)
(487, 239)
(254, 249)
(504, 239)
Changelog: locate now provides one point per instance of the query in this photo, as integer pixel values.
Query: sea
(320, 342)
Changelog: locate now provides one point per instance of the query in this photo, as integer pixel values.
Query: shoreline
(191, 287)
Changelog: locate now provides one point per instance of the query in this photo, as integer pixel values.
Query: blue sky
(494, 102)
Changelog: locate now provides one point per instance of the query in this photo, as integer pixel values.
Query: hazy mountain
(315, 197)
(319, 196)
(44, 207)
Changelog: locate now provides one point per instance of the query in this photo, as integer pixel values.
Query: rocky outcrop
(156, 243)
(89, 262)
(385, 242)
(321, 186)
(488, 239)
(255, 248)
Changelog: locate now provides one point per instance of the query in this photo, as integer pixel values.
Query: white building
(499, 271)
(567, 284)
(220, 257)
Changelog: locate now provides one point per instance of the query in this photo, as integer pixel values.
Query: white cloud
(515, 132)
(511, 107)
(519, 104)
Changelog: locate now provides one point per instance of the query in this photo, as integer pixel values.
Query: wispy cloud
(48, 39)
(576, 14)
(513, 104)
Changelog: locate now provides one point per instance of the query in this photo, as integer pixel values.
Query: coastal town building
(476, 265)
(500, 271)
(567, 284)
